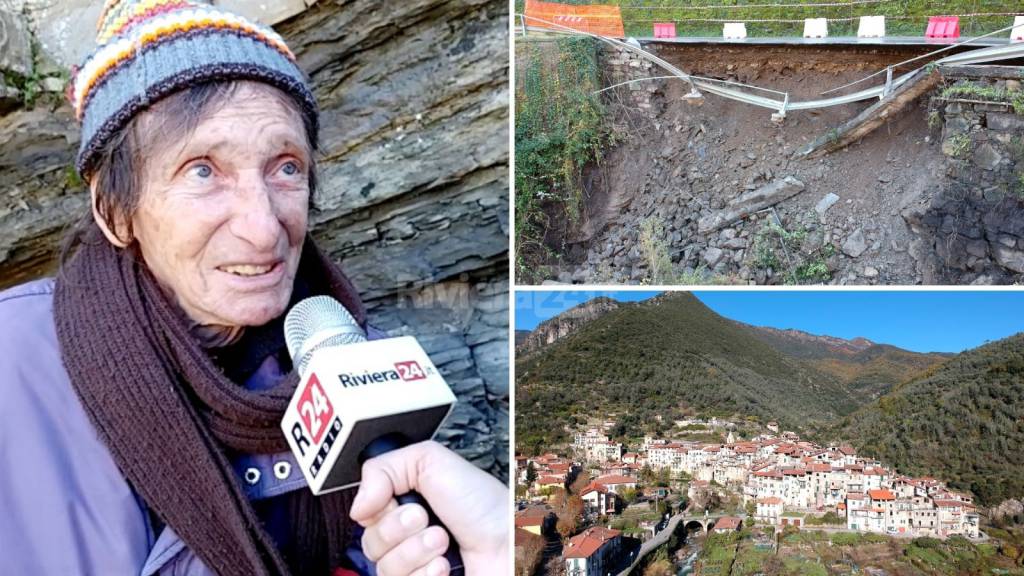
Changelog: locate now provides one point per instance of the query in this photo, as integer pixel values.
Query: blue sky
(921, 321)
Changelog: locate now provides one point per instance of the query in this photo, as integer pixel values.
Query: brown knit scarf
(169, 415)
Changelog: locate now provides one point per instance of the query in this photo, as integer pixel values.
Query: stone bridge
(704, 521)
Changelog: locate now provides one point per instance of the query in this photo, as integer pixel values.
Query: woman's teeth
(247, 270)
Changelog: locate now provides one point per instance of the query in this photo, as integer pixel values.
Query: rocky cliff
(413, 198)
(565, 324)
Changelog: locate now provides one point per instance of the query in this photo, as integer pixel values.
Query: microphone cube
(353, 394)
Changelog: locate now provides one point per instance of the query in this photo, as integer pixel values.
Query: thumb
(464, 498)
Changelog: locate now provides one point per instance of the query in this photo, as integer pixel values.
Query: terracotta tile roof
(727, 523)
(854, 495)
(529, 521)
(881, 495)
(584, 545)
(533, 515)
(545, 480)
(615, 479)
(594, 487)
(524, 536)
(771, 500)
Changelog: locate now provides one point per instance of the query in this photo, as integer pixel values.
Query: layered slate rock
(413, 197)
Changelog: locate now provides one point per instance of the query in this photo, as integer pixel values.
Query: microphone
(358, 399)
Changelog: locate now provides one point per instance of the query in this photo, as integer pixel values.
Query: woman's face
(222, 217)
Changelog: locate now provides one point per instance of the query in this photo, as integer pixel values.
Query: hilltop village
(776, 478)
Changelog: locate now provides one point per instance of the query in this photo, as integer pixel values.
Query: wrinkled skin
(231, 199)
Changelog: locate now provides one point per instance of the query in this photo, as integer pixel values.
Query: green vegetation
(953, 556)
(719, 553)
(559, 129)
(797, 266)
(672, 355)
(959, 144)
(960, 422)
(785, 18)
(655, 250)
(654, 246)
(811, 552)
(828, 518)
(664, 357)
(988, 92)
(30, 85)
(71, 178)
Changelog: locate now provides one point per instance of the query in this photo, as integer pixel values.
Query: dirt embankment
(683, 160)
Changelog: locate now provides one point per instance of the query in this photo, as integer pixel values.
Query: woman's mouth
(247, 269)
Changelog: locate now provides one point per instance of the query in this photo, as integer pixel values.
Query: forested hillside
(962, 422)
(661, 357)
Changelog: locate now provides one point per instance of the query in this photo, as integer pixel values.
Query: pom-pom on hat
(149, 49)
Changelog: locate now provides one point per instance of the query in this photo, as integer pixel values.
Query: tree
(575, 506)
(629, 495)
(531, 474)
(579, 483)
(567, 525)
(646, 475)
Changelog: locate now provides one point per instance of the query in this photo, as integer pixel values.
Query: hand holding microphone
(472, 505)
(364, 401)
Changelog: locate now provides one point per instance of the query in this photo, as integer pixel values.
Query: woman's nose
(255, 218)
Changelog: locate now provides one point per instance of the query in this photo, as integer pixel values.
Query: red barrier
(943, 27)
(664, 30)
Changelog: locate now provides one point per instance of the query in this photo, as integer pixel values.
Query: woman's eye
(201, 170)
(290, 168)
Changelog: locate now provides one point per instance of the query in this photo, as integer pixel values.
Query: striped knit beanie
(149, 49)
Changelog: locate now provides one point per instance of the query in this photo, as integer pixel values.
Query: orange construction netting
(595, 19)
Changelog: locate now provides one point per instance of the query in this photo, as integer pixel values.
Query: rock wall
(622, 65)
(972, 232)
(414, 177)
(565, 323)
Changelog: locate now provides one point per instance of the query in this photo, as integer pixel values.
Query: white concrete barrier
(734, 30)
(815, 28)
(871, 27)
(1017, 32)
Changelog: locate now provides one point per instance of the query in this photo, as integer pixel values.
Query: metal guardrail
(733, 91)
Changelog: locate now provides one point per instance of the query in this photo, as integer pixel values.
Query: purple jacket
(65, 509)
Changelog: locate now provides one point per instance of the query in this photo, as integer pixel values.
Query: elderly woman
(141, 391)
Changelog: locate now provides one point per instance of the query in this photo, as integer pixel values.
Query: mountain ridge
(661, 357)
